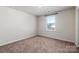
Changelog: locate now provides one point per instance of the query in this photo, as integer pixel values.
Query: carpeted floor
(39, 44)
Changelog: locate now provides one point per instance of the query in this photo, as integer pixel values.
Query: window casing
(51, 23)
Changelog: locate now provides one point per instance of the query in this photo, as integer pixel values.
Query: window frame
(47, 24)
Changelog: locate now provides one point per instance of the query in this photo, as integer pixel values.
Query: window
(50, 23)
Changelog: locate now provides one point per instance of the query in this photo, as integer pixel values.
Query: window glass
(51, 23)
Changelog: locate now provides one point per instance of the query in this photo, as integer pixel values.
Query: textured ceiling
(41, 10)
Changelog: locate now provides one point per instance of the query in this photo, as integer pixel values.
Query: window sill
(51, 30)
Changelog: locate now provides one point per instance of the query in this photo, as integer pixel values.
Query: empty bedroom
(38, 29)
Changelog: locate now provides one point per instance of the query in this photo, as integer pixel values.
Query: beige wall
(65, 26)
(15, 25)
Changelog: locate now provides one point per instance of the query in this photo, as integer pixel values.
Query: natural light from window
(50, 23)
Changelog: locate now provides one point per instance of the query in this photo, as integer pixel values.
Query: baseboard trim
(56, 39)
(31, 36)
(10, 42)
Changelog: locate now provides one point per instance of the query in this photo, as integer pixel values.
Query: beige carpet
(39, 44)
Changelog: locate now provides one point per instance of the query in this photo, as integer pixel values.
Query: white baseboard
(55, 38)
(29, 36)
(5, 43)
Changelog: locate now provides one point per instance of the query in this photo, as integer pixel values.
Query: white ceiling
(41, 10)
